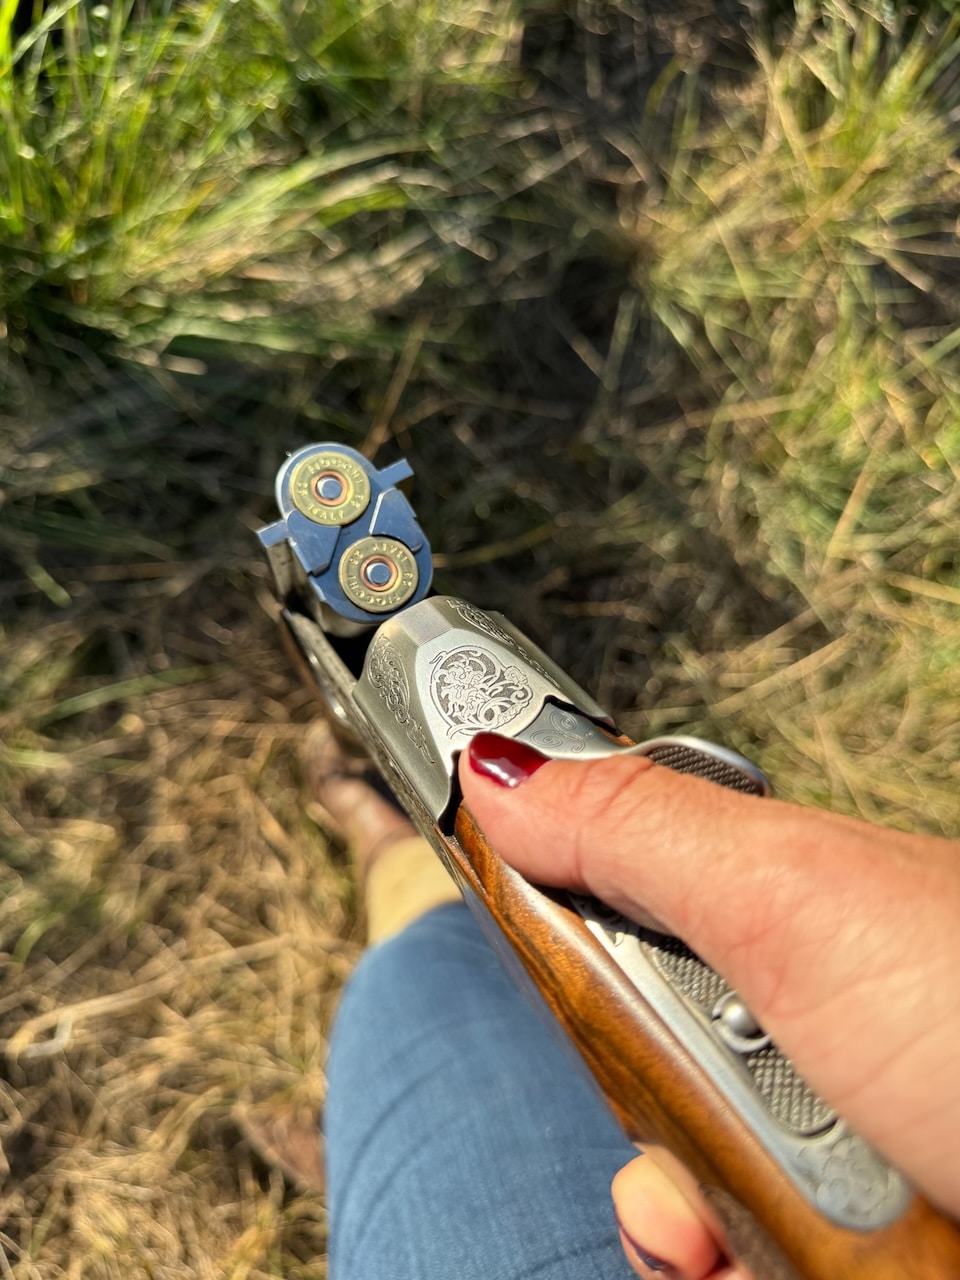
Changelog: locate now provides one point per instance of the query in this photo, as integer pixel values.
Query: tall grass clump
(803, 251)
(205, 209)
(153, 157)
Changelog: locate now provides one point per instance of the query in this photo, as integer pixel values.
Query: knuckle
(604, 800)
(601, 791)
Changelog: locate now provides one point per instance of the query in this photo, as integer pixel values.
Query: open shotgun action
(410, 678)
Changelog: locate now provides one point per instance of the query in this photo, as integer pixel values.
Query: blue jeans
(462, 1140)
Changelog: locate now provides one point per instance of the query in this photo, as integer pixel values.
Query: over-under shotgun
(409, 677)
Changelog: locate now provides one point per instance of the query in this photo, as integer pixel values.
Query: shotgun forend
(410, 678)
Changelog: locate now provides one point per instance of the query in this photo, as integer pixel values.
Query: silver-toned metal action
(438, 670)
(832, 1166)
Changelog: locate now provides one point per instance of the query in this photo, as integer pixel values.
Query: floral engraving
(474, 692)
(483, 622)
(852, 1183)
(385, 672)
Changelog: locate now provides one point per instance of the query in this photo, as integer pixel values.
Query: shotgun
(407, 678)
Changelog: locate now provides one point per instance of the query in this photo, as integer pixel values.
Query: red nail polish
(651, 1262)
(503, 760)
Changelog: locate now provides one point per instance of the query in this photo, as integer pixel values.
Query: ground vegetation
(661, 301)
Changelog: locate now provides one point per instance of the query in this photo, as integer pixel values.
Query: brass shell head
(329, 488)
(378, 574)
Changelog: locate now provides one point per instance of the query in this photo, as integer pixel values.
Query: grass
(184, 172)
(802, 251)
(665, 317)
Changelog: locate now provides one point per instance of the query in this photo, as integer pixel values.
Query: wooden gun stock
(659, 1094)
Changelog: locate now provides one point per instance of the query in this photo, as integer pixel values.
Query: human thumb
(722, 870)
(823, 923)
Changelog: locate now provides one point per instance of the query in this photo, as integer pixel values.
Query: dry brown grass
(175, 935)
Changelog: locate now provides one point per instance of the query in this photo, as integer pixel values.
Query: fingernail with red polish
(652, 1263)
(503, 760)
(649, 1260)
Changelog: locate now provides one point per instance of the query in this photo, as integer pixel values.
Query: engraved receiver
(410, 678)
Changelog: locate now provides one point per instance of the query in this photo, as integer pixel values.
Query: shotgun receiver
(410, 678)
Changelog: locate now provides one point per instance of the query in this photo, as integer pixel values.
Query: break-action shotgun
(410, 677)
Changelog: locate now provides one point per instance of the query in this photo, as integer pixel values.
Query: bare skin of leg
(338, 785)
(400, 876)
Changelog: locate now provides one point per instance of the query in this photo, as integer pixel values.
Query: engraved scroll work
(474, 692)
(385, 672)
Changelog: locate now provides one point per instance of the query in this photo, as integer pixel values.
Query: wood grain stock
(659, 1093)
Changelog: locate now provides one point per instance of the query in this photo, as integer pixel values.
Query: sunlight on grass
(146, 157)
(800, 252)
(666, 320)
(787, 254)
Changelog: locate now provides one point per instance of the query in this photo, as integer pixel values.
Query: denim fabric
(463, 1143)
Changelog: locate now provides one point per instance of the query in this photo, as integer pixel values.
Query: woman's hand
(842, 937)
